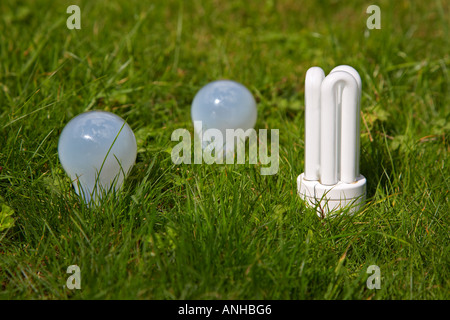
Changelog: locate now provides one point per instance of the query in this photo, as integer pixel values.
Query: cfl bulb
(332, 180)
(97, 149)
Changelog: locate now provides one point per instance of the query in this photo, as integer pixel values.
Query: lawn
(195, 231)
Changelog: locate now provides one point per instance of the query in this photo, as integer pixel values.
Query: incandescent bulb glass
(222, 105)
(97, 149)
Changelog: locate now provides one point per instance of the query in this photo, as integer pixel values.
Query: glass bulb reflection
(97, 149)
(223, 104)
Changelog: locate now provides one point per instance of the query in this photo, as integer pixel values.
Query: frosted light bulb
(97, 149)
(221, 105)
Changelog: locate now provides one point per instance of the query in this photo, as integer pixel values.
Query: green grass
(222, 231)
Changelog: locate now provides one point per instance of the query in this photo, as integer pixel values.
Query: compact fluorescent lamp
(331, 180)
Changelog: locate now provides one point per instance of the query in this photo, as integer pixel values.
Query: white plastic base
(329, 199)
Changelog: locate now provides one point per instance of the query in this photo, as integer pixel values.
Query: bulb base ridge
(336, 198)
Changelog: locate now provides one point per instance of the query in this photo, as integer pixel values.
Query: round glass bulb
(223, 104)
(97, 149)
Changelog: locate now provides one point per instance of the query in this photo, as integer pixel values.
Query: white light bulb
(97, 149)
(332, 113)
(222, 105)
